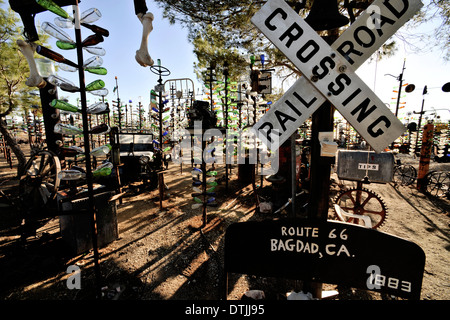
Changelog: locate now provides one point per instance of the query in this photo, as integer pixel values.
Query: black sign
(326, 252)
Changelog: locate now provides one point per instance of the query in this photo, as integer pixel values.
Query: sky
(170, 44)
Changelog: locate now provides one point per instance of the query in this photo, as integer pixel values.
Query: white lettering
(300, 231)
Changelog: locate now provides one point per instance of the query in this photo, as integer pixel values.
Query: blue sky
(169, 43)
(166, 42)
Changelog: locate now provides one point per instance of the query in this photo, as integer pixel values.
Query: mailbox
(355, 165)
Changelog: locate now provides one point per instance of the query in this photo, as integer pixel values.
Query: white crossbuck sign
(328, 71)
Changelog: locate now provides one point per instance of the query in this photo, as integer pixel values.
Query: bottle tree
(92, 65)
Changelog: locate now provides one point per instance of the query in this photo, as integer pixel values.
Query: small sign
(327, 252)
(368, 166)
(159, 88)
(265, 81)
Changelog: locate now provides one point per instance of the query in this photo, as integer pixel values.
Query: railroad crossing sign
(328, 71)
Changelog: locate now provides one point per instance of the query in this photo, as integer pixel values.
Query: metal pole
(118, 105)
(204, 177)
(400, 78)
(160, 111)
(293, 174)
(420, 116)
(425, 153)
(89, 179)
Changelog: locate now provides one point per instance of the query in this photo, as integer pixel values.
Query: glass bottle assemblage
(71, 175)
(101, 151)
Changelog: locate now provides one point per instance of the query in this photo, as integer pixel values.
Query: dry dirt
(161, 254)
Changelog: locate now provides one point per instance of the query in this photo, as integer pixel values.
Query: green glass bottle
(198, 200)
(65, 45)
(62, 105)
(102, 172)
(97, 70)
(95, 85)
(53, 7)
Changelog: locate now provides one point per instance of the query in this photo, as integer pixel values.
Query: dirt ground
(161, 254)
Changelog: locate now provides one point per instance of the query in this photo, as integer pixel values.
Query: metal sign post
(329, 81)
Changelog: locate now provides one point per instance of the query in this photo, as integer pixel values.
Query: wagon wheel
(362, 202)
(438, 183)
(405, 174)
(40, 182)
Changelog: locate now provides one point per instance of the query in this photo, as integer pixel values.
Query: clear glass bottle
(71, 175)
(101, 151)
(67, 129)
(91, 15)
(97, 108)
(56, 32)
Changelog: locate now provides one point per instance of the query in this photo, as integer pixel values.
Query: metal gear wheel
(361, 201)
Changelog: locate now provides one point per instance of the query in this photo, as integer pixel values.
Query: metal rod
(400, 78)
(89, 178)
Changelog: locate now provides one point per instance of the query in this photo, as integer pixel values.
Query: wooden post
(322, 121)
(425, 154)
